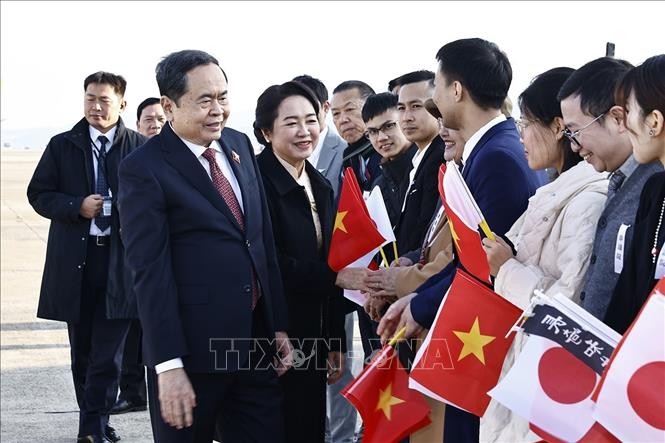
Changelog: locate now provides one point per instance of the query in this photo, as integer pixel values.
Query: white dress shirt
(225, 167)
(415, 161)
(475, 138)
(95, 147)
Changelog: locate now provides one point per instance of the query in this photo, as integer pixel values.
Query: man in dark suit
(200, 244)
(85, 282)
(328, 153)
(422, 129)
(471, 84)
(150, 119)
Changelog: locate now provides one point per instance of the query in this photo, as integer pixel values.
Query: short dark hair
(417, 77)
(144, 104)
(377, 104)
(646, 82)
(118, 82)
(172, 71)
(315, 85)
(392, 84)
(363, 88)
(539, 102)
(595, 83)
(481, 67)
(268, 103)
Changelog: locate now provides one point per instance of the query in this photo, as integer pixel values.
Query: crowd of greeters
(179, 249)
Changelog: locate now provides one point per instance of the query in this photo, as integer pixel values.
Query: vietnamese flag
(389, 409)
(464, 218)
(354, 234)
(463, 353)
(631, 398)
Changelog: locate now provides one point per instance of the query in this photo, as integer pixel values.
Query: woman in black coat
(300, 200)
(642, 94)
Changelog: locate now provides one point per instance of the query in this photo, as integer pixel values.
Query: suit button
(248, 244)
(79, 266)
(247, 289)
(602, 223)
(82, 238)
(592, 260)
(582, 295)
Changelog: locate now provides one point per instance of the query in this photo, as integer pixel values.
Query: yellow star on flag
(473, 342)
(387, 401)
(339, 221)
(454, 234)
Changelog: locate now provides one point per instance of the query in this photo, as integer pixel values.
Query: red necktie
(224, 189)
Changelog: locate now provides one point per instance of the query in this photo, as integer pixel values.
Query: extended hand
(374, 306)
(352, 278)
(382, 282)
(401, 262)
(91, 206)
(176, 398)
(391, 320)
(284, 353)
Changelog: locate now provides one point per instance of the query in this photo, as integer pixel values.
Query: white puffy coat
(553, 239)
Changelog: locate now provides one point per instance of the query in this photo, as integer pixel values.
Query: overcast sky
(47, 49)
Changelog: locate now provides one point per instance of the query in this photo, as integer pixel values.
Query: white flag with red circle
(631, 398)
(551, 387)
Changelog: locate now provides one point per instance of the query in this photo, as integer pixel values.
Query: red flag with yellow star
(463, 353)
(354, 234)
(390, 410)
(464, 218)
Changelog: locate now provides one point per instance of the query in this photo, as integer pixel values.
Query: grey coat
(600, 279)
(330, 160)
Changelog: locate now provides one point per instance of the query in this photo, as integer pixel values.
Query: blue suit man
(199, 241)
(470, 86)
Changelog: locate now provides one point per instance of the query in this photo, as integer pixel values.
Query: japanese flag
(631, 401)
(552, 388)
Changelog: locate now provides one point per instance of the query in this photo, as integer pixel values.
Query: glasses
(386, 128)
(522, 124)
(572, 135)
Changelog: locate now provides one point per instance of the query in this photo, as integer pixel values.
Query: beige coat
(437, 256)
(553, 239)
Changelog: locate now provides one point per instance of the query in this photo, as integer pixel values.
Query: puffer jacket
(553, 238)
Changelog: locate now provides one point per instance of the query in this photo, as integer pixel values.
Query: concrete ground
(37, 401)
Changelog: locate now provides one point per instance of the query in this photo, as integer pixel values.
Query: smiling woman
(300, 200)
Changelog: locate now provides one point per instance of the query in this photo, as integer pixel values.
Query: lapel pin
(235, 157)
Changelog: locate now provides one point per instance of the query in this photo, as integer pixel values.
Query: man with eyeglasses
(381, 119)
(594, 125)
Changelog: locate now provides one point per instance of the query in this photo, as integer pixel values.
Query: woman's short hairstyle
(267, 106)
(647, 82)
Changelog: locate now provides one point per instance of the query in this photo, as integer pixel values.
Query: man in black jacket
(84, 283)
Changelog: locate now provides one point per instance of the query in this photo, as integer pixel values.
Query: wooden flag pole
(383, 256)
(395, 250)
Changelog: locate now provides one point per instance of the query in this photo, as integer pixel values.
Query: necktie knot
(616, 179)
(103, 141)
(209, 154)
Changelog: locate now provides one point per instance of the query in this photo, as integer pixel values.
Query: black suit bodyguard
(85, 282)
(200, 246)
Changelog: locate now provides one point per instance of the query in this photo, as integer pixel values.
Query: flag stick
(383, 256)
(486, 229)
(397, 337)
(395, 249)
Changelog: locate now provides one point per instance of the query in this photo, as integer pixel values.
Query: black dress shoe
(122, 406)
(110, 434)
(93, 439)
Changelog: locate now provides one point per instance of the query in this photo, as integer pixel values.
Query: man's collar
(110, 135)
(198, 150)
(475, 138)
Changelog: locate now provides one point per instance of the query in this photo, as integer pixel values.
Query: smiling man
(75, 185)
(382, 129)
(594, 125)
(199, 240)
